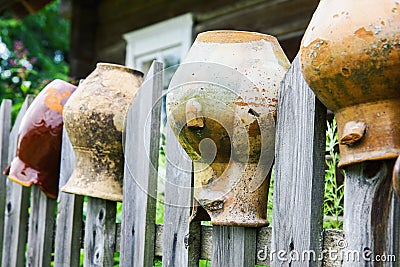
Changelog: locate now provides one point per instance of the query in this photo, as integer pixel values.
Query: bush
(32, 53)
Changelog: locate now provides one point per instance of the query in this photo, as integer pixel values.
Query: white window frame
(149, 42)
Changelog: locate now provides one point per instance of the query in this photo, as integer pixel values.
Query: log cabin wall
(98, 25)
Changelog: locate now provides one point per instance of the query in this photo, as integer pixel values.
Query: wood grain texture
(17, 204)
(41, 229)
(181, 243)
(5, 125)
(263, 245)
(371, 215)
(140, 173)
(333, 241)
(206, 242)
(233, 246)
(99, 243)
(299, 170)
(69, 217)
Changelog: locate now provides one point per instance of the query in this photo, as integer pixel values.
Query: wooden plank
(263, 246)
(299, 171)
(99, 244)
(234, 246)
(393, 229)
(17, 204)
(371, 215)
(69, 217)
(333, 241)
(206, 242)
(140, 175)
(181, 243)
(5, 125)
(41, 227)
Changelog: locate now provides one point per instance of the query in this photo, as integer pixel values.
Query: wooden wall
(98, 26)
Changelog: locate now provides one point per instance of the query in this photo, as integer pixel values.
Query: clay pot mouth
(376, 140)
(111, 66)
(25, 175)
(90, 191)
(231, 36)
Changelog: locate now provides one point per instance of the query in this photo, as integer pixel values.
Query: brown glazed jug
(350, 56)
(221, 104)
(39, 140)
(95, 120)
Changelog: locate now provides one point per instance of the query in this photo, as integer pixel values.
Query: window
(167, 41)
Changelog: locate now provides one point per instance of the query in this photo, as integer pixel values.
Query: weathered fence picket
(17, 204)
(5, 125)
(299, 171)
(141, 170)
(69, 217)
(234, 246)
(99, 242)
(371, 214)
(181, 242)
(41, 227)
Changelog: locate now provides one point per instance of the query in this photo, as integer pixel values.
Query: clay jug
(95, 120)
(221, 104)
(350, 57)
(39, 140)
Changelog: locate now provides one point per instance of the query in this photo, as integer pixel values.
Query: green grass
(271, 196)
(334, 193)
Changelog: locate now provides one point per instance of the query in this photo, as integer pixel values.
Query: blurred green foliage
(33, 51)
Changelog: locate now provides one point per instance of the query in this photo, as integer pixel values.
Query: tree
(33, 52)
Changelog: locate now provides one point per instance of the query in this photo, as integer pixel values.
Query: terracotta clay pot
(221, 104)
(350, 57)
(39, 140)
(95, 122)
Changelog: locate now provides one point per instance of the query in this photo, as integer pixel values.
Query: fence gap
(17, 204)
(5, 125)
(69, 217)
(299, 171)
(140, 174)
(181, 241)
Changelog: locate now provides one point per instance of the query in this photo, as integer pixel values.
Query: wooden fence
(38, 230)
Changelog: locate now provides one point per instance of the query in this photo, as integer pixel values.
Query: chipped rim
(231, 36)
(110, 66)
